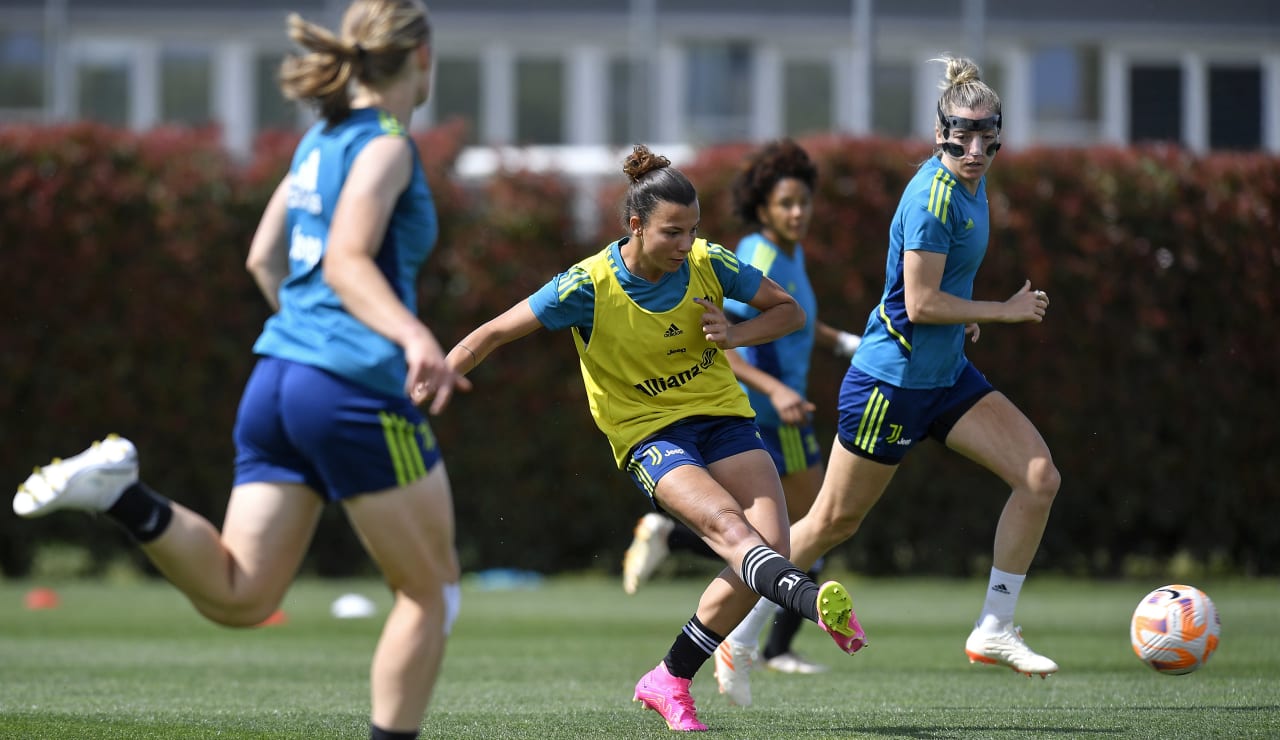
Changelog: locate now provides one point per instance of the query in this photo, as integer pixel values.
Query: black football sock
(780, 581)
(377, 733)
(143, 513)
(691, 649)
(785, 626)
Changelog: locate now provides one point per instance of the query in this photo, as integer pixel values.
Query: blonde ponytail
(377, 38)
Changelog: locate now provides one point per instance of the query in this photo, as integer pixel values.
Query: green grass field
(560, 661)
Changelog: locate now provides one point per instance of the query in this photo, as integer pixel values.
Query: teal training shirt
(312, 326)
(936, 214)
(785, 358)
(569, 299)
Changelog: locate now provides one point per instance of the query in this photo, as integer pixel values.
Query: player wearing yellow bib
(647, 318)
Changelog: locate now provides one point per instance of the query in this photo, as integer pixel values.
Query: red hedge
(127, 309)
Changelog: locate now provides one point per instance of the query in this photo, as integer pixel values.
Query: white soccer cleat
(90, 481)
(733, 672)
(648, 549)
(1005, 647)
(793, 663)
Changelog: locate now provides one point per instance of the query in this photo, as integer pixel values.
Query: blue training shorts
(881, 422)
(300, 424)
(698, 440)
(794, 449)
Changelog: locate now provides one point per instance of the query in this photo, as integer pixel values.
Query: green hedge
(1153, 380)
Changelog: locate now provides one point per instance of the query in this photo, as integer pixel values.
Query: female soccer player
(647, 320)
(328, 414)
(774, 194)
(910, 379)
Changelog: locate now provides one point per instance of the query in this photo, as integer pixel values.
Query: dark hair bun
(641, 161)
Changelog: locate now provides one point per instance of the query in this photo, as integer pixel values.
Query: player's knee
(729, 527)
(833, 519)
(838, 526)
(239, 613)
(433, 607)
(1043, 481)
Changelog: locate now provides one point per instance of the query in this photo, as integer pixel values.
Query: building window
(1235, 107)
(455, 93)
(21, 70)
(274, 110)
(718, 92)
(1155, 106)
(892, 109)
(185, 82)
(808, 92)
(540, 101)
(104, 91)
(1065, 85)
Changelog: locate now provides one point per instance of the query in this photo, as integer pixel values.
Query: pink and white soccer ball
(1175, 629)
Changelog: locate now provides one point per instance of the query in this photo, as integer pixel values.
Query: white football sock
(747, 633)
(1002, 599)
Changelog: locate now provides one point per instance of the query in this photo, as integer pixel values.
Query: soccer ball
(1175, 629)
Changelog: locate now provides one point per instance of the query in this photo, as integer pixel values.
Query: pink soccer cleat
(669, 696)
(836, 618)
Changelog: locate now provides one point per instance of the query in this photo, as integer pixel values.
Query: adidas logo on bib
(672, 331)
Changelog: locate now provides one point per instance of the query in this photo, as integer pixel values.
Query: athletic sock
(780, 581)
(1002, 599)
(747, 633)
(683, 538)
(691, 649)
(377, 733)
(143, 513)
(785, 627)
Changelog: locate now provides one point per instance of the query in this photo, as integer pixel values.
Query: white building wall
(1114, 109)
(1271, 102)
(1017, 98)
(768, 99)
(144, 84)
(669, 108)
(588, 40)
(1195, 102)
(498, 94)
(586, 97)
(232, 98)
